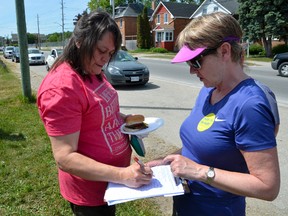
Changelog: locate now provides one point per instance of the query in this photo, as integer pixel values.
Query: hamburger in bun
(135, 123)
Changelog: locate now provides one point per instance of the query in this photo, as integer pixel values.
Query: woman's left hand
(183, 167)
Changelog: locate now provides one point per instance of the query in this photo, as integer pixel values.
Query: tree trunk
(268, 46)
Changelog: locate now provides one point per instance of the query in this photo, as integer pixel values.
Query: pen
(137, 160)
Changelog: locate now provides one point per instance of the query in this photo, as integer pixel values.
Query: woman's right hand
(160, 161)
(156, 162)
(134, 177)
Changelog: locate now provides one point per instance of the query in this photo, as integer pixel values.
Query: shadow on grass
(5, 135)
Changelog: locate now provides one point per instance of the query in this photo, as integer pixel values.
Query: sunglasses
(195, 63)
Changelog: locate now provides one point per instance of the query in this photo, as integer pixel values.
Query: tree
(8, 41)
(67, 34)
(143, 30)
(148, 3)
(262, 20)
(78, 16)
(140, 40)
(146, 29)
(54, 37)
(104, 5)
(32, 38)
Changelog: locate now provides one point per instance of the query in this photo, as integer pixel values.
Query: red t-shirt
(68, 104)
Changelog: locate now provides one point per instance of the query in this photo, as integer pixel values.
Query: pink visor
(186, 54)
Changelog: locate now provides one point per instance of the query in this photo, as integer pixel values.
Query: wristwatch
(210, 175)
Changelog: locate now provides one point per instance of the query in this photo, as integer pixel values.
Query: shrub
(262, 53)
(158, 50)
(281, 48)
(256, 49)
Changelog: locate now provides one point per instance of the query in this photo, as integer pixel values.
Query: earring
(77, 44)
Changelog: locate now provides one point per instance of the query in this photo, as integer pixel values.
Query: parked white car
(35, 56)
(8, 51)
(54, 54)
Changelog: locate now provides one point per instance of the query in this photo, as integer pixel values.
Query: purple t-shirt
(213, 135)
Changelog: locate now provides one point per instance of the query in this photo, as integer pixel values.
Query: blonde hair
(210, 30)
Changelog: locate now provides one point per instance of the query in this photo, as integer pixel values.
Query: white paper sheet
(162, 184)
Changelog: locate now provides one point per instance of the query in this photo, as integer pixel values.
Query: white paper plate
(153, 124)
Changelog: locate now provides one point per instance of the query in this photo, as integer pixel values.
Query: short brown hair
(210, 30)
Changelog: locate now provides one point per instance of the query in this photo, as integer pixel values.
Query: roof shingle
(180, 9)
(231, 5)
(130, 10)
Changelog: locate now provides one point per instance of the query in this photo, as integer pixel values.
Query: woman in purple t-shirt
(229, 148)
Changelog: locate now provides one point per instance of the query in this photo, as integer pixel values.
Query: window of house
(215, 8)
(121, 23)
(158, 18)
(168, 36)
(165, 18)
(159, 36)
(204, 11)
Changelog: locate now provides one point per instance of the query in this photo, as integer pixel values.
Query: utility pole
(23, 46)
(112, 2)
(39, 37)
(62, 7)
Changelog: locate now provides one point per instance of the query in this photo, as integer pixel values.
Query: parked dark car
(16, 55)
(124, 69)
(280, 63)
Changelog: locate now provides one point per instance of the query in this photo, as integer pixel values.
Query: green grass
(259, 58)
(28, 174)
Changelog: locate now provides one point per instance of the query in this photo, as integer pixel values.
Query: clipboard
(163, 183)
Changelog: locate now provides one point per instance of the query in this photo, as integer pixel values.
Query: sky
(49, 15)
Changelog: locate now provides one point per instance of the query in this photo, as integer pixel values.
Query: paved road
(173, 102)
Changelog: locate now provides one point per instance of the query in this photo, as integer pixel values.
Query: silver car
(123, 69)
(35, 56)
(8, 50)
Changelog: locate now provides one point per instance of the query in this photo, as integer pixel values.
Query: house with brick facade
(168, 20)
(126, 18)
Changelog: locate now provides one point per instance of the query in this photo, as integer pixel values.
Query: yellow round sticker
(206, 122)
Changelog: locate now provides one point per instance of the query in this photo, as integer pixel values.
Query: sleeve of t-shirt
(61, 111)
(254, 126)
(274, 106)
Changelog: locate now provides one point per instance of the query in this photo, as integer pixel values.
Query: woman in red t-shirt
(81, 114)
